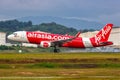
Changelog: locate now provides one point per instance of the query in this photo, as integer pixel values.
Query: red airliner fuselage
(44, 39)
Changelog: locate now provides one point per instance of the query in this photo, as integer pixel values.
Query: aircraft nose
(10, 37)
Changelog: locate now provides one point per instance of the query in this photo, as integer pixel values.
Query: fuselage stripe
(87, 42)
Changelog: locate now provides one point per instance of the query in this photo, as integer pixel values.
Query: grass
(58, 56)
(73, 74)
(44, 65)
(60, 72)
(61, 60)
(62, 66)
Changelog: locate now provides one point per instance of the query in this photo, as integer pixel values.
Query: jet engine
(45, 44)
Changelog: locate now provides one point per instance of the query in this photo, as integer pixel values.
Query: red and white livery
(45, 40)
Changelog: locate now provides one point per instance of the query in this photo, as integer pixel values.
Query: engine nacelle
(45, 44)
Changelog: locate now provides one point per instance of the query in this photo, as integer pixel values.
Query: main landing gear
(56, 50)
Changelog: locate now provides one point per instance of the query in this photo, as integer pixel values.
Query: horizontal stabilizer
(106, 43)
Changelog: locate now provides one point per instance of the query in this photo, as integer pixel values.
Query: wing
(60, 42)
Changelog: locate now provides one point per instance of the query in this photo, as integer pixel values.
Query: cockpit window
(15, 34)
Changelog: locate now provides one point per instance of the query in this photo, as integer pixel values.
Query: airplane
(45, 39)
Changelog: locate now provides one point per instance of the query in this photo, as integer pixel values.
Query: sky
(104, 11)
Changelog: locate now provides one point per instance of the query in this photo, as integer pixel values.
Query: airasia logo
(46, 36)
(103, 34)
(45, 44)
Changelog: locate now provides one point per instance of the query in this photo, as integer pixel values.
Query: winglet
(78, 34)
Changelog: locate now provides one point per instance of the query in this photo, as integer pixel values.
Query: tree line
(10, 26)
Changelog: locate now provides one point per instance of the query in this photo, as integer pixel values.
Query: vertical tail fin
(104, 33)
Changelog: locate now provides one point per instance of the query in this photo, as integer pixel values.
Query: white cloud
(98, 10)
(27, 4)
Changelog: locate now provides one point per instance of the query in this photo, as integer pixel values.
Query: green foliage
(42, 65)
(5, 66)
(3, 47)
(15, 25)
(53, 28)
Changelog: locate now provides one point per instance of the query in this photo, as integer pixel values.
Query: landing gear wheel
(56, 50)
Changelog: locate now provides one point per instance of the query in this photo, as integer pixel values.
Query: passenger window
(15, 34)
